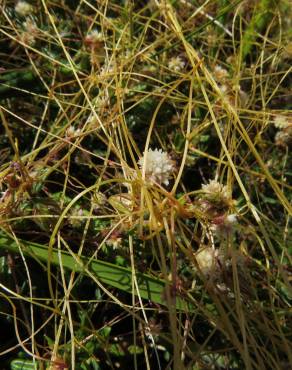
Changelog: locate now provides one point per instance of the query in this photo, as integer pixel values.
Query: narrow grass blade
(150, 288)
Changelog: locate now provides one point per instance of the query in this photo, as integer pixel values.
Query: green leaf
(150, 288)
(22, 365)
(116, 350)
(105, 332)
(263, 12)
(135, 350)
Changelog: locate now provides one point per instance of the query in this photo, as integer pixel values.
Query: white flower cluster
(94, 37)
(225, 225)
(282, 138)
(30, 26)
(231, 219)
(214, 188)
(27, 38)
(23, 8)
(107, 70)
(29, 33)
(220, 73)
(176, 64)
(281, 122)
(75, 217)
(99, 200)
(284, 125)
(206, 260)
(72, 131)
(114, 242)
(158, 166)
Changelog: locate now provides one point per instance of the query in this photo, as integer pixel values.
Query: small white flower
(281, 122)
(94, 37)
(214, 188)
(158, 166)
(101, 101)
(223, 225)
(27, 38)
(115, 243)
(282, 138)
(220, 73)
(30, 26)
(176, 64)
(121, 202)
(75, 218)
(23, 8)
(71, 131)
(231, 219)
(206, 260)
(114, 240)
(107, 70)
(223, 89)
(99, 200)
